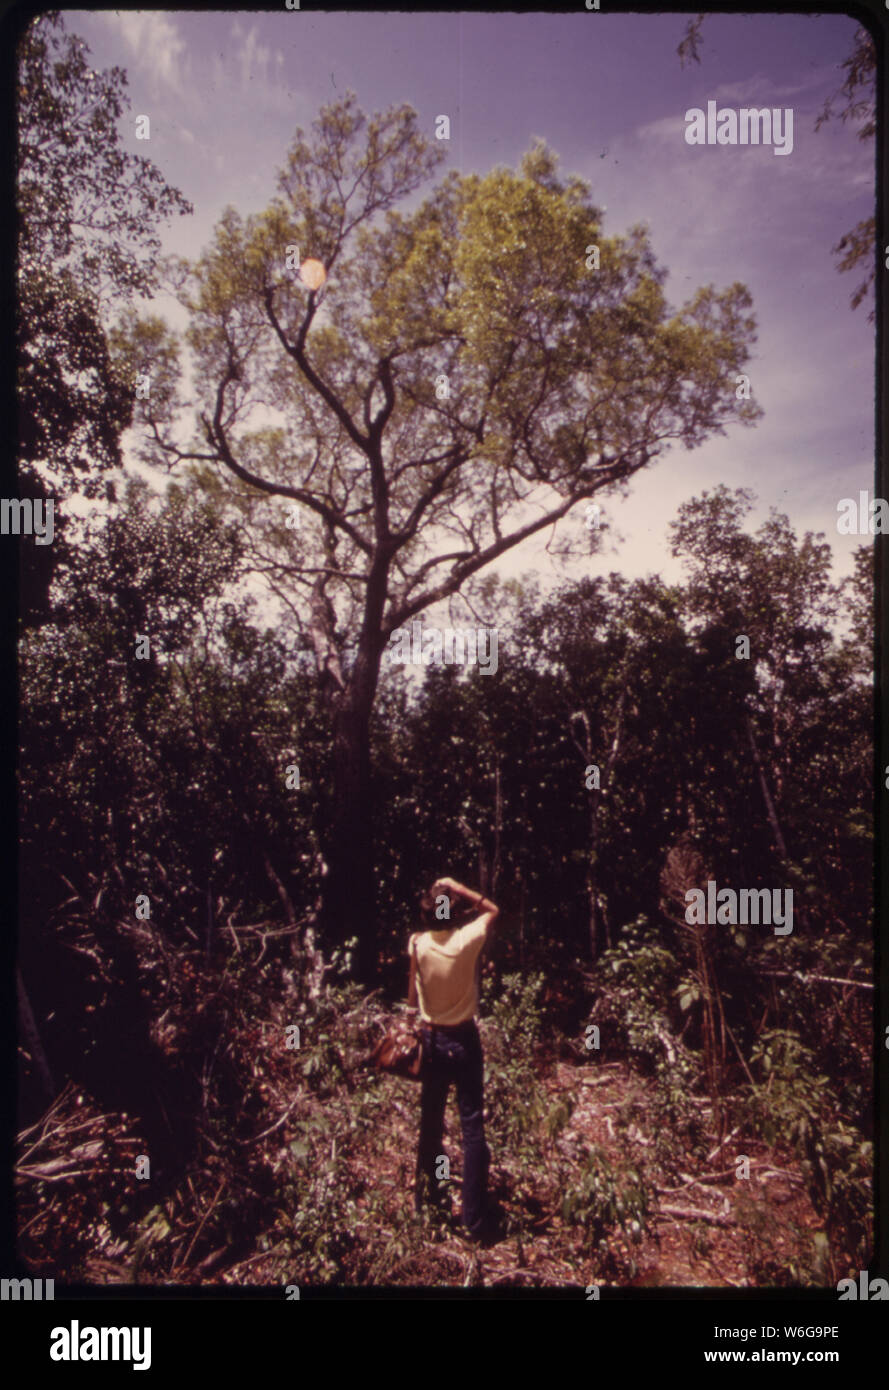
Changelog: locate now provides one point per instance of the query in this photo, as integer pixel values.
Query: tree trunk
(348, 898)
(597, 915)
(766, 794)
(592, 881)
(348, 892)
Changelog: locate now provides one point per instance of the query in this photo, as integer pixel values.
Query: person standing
(443, 985)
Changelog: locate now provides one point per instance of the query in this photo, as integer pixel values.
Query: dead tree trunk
(684, 869)
(766, 794)
(592, 877)
(596, 914)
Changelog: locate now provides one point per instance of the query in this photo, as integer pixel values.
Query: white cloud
(255, 57)
(257, 67)
(155, 42)
(759, 90)
(664, 128)
(721, 215)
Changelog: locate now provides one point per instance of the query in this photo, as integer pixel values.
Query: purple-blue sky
(225, 91)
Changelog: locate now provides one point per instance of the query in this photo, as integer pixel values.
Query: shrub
(522, 1124)
(602, 1202)
(633, 980)
(799, 1106)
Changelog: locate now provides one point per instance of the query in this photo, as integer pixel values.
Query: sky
(225, 91)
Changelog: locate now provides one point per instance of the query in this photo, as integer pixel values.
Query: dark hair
(427, 909)
(432, 923)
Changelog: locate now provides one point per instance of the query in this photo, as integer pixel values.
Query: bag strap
(416, 966)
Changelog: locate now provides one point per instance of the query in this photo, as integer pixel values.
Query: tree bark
(592, 881)
(348, 892)
(348, 896)
(766, 794)
(597, 916)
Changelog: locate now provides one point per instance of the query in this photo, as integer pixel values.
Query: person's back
(447, 978)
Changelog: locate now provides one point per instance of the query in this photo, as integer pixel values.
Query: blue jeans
(455, 1054)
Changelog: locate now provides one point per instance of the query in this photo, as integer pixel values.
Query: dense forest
(226, 819)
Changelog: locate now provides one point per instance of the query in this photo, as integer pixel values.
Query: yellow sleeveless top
(447, 973)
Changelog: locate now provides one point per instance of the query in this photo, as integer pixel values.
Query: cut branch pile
(73, 1168)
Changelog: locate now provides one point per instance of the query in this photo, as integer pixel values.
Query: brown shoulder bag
(400, 1051)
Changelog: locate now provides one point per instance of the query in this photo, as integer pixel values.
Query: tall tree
(467, 374)
(87, 213)
(775, 590)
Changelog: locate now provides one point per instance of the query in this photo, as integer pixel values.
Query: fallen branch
(665, 1041)
(212, 1260)
(815, 979)
(242, 1264)
(510, 1275)
(44, 1119)
(210, 1208)
(277, 1125)
(68, 1130)
(54, 1168)
(694, 1214)
(721, 1176)
(40, 1176)
(721, 1145)
(781, 1173)
(701, 1181)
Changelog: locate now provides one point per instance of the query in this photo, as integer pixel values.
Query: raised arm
(486, 909)
(413, 1000)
